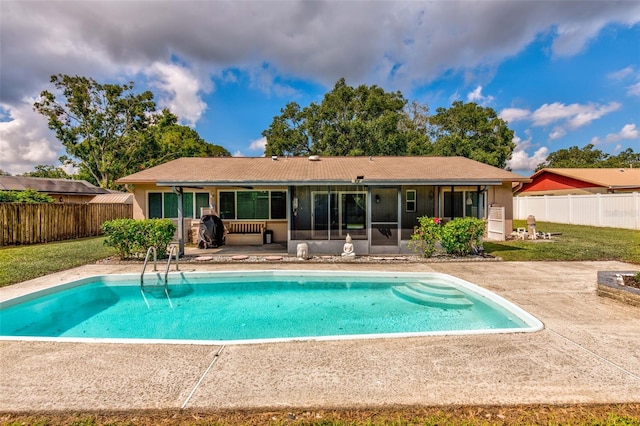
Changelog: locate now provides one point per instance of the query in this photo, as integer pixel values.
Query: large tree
(170, 140)
(102, 126)
(364, 120)
(48, 171)
(472, 131)
(589, 157)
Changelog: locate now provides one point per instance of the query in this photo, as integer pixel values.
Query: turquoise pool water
(258, 306)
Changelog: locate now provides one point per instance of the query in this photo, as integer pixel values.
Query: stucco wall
(503, 196)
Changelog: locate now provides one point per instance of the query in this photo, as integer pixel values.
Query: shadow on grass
(495, 247)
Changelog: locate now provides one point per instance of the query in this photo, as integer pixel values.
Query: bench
(246, 233)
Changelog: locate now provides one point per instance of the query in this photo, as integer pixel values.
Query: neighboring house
(61, 190)
(319, 200)
(580, 182)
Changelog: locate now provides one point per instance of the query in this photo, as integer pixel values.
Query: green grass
(21, 263)
(575, 243)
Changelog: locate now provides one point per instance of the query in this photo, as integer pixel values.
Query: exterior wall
(503, 196)
(550, 181)
(71, 198)
(140, 200)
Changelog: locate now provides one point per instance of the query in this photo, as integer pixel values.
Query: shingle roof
(325, 170)
(609, 178)
(49, 186)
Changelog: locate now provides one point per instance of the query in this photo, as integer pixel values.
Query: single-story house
(319, 200)
(556, 181)
(61, 190)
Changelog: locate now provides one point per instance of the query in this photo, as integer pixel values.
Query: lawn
(21, 263)
(575, 243)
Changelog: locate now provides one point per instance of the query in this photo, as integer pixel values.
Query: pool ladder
(172, 252)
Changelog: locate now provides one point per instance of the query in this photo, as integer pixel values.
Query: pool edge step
(413, 296)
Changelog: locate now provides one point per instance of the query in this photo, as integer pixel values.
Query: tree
(472, 131)
(625, 159)
(102, 126)
(171, 140)
(588, 157)
(47, 171)
(364, 120)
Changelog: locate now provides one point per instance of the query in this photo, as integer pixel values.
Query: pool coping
(589, 352)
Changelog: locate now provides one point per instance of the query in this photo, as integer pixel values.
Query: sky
(561, 73)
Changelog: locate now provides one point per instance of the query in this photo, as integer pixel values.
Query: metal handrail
(177, 255)
(146, 260)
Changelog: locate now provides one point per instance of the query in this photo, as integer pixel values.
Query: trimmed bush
(132, 237)
(462, 235)
(424, 239)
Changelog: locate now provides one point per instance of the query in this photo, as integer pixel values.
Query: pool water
(261, 306)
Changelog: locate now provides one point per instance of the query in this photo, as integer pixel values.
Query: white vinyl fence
(608, 210)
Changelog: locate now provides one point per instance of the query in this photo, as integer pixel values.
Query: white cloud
(621, 74)
(477, 97)
(180, 90)
(258, 144)
(400, 43)
(557, 133)
(634, 89)
(25, 140)
(628, 131)
(521, 160)
(570, 117)
(511, 115)
(237, 154)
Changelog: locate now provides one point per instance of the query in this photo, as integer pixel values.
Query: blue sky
(563, 73)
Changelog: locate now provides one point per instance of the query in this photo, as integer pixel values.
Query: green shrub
(27, 196)
(423, 240)
(462, 235)
(133, 237)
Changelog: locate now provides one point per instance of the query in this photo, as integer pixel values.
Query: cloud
(25, 139)
(569, 117)
(179, 90)
(628, 131)
(396, 43)
(477, 97)
(184, 47)
(557, 133)
(564, 117)
(258, 144)
(621, 74)
(511, 115)
(521, 160)
(634, 89)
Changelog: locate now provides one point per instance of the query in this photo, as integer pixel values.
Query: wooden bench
(244, 233)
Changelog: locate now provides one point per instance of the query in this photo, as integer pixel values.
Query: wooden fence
(40, 223)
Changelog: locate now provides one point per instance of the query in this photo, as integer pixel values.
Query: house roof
(50, 186)
(232, 171)
(609, 178)
(113, 198)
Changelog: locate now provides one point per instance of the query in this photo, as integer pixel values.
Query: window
(410, 200)
(155, 205)
(252, 205)
(278, 205)
(165, 204)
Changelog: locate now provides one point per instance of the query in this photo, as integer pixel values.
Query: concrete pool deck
(589, 352)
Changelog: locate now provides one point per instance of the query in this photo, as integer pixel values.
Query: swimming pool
(259, 306)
